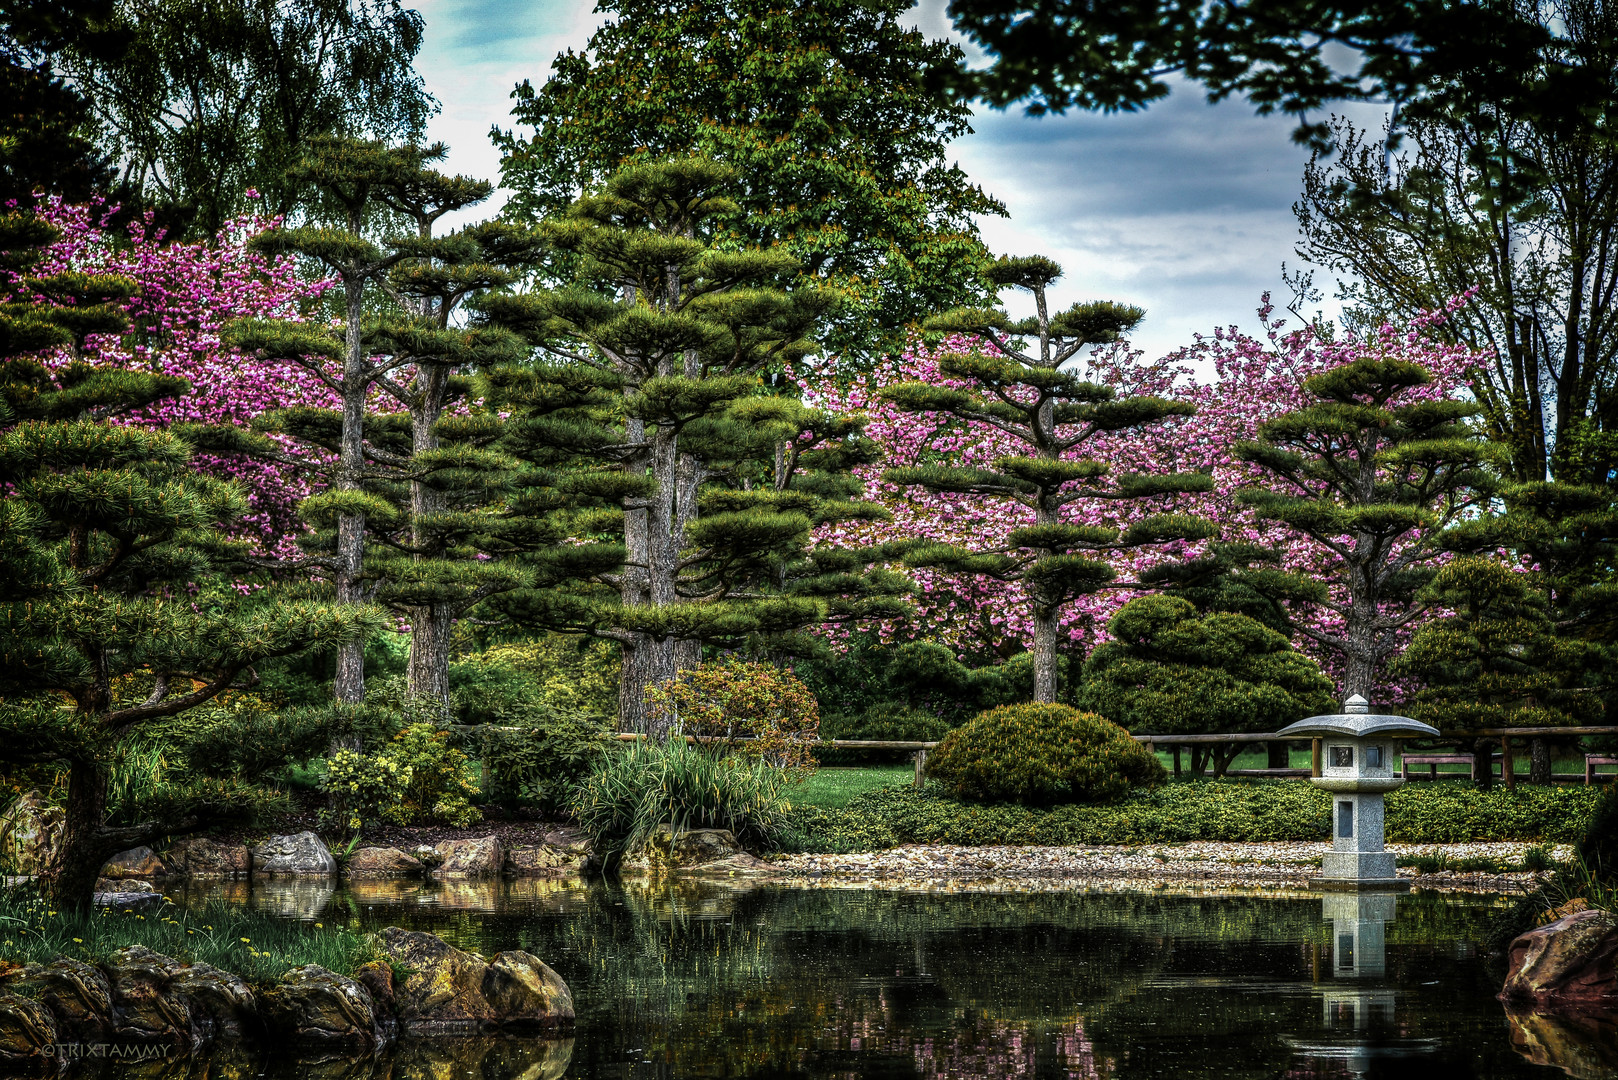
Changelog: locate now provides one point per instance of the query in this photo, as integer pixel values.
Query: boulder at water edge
(1572, 962)
(77, 995)
(27, 1029)
(710, 852)
(373, 862)
(31, 834)
(203, 857)
(299, 855)
(136, 864)
(143, 1007)
(564, 853)
(448, 990)
(468, 858)
(313, 1005)
(222, 1005)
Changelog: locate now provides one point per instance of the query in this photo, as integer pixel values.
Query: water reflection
(716, 978)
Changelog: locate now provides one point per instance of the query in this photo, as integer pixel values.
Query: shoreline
(1268, 866)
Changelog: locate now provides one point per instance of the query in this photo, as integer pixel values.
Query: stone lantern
(1357, 768)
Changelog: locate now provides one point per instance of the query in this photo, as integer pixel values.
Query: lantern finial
(1356, 704)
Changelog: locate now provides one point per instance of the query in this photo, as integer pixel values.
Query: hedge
(1229, 810)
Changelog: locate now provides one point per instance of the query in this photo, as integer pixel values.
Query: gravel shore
(1266, 866)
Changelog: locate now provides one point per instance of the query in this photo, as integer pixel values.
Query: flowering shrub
(416, 777)
(735, 699)
(1041, 755)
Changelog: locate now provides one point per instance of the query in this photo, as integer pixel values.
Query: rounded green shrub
(1041, 755)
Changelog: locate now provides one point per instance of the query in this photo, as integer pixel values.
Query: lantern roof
(1357, 721)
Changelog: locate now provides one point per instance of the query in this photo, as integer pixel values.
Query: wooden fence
(919, 750)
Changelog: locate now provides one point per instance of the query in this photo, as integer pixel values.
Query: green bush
(416, 777)
(1229, 810)
(889, 723)
(1040, 755)
(631, 793)
(545, 758)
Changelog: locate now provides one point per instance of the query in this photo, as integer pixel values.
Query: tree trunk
(1539, 761)
(646, 662)
(431, 627)
(72, 883)
(1483, 762)
(349, 687)
(1280, 755)
(1045, 634)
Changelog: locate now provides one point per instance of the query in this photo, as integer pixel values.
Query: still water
(713, 980)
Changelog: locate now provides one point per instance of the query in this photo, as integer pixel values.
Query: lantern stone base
(1358, 864)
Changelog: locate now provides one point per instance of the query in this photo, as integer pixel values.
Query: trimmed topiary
(1041, 755)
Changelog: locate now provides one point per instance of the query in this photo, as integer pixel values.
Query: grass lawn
(832, 788)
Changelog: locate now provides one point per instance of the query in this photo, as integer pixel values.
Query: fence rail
(920, 749)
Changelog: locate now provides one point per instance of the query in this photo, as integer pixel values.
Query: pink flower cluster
(187, 294)
(1236, 381)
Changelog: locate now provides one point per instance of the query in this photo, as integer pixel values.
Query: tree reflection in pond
(714, 979)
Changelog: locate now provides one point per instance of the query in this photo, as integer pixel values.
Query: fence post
(1176, 759)
(921, 766)
(1508, 768)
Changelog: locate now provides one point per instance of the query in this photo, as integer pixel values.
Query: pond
(1044, 979)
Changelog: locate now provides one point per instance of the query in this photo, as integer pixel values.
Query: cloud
(1183, 208)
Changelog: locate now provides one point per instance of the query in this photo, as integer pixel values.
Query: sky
(1183, 209)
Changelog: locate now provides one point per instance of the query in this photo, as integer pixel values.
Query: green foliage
(1496, 660)
(206, 100)
(1225, 810)
(834, 113)
(563, 672)
(889, 723)
(543, 761)
(732, 699)
(923, 675)
(1040, 755)
(418, 776)
(258, 947)
(1169, 670)
(1598, 847)
(633, 792)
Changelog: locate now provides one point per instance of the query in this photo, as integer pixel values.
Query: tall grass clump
(260, 948)
(629, 794)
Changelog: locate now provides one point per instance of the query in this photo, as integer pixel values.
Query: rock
(204, 857)
(313, 1005)
(299, 855)
(526, 993)
(694, 850)
(27, 1029)
(128, 901)
(487, 1056)
(383, 862)
(1583, 1045)
(564, 859)
(136, 863)
(468, 858)
(143, 1007)
(377, 978)
(31, 834)
(222, 1005)
(1569, 962)
(123, 885)
(78, 996)
(451, 991)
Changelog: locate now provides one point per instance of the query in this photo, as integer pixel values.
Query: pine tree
(1026, 397)
(1170, 670)
(652, 404)
(103, 528)
(1375, 476)
(414, 484)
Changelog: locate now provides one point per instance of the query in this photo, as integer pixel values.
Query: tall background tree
(208, 98)
(103, 529)
(834, 116)
(1515, 201)
(1374, 472)
(1046, 417)
(716, 479)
